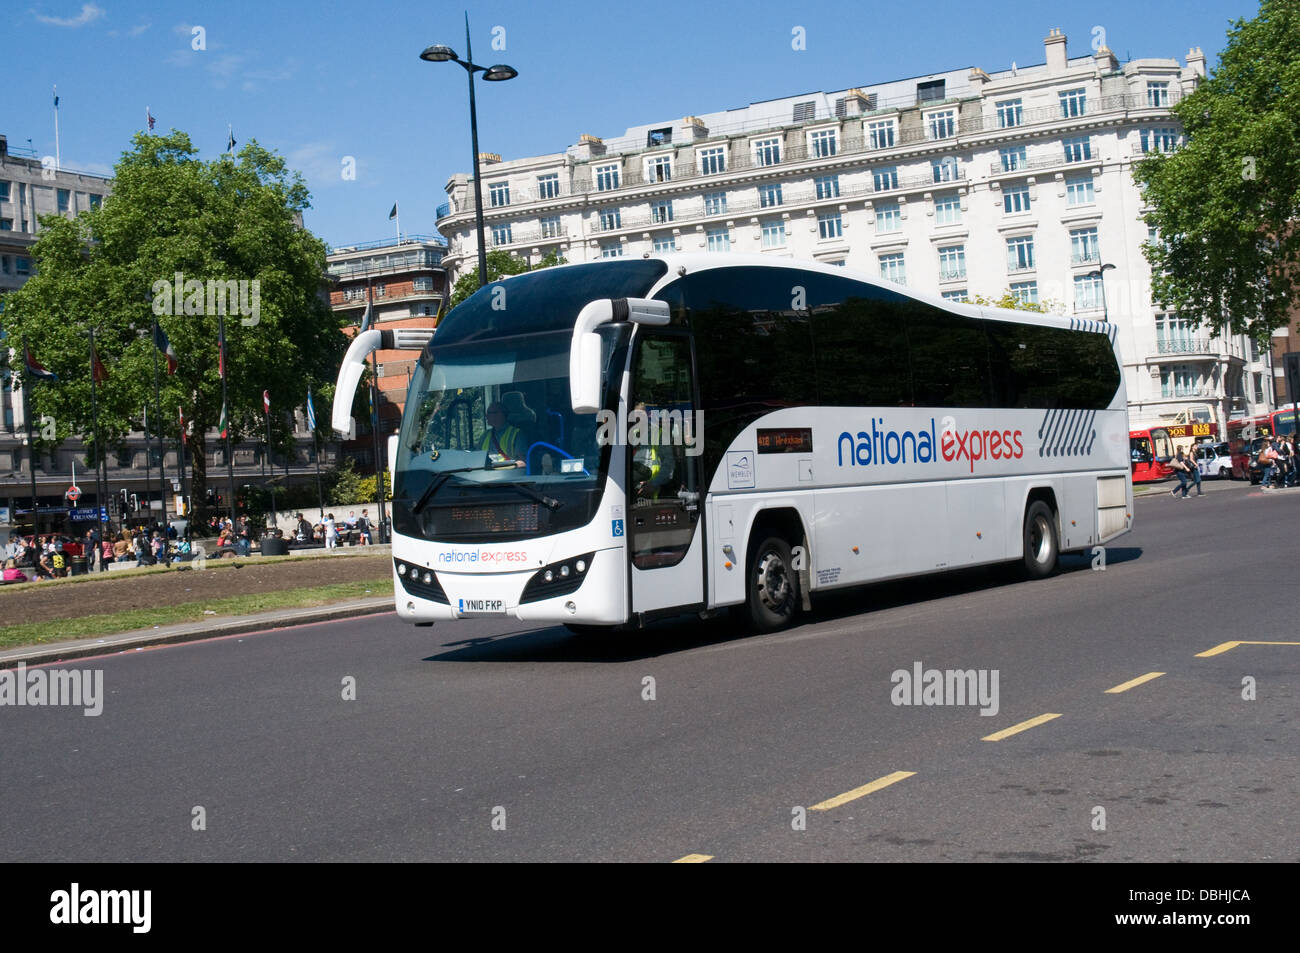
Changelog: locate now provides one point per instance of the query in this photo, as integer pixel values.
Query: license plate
(482, 607)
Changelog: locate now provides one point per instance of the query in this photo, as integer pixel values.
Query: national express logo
(484, 556)
(1063, 433)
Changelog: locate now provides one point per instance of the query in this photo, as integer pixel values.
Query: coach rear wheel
(773, 593)
(1042, 549)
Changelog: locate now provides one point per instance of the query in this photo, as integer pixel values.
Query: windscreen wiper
(547, 501)
(442, 477)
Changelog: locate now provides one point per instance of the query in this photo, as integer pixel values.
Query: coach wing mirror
(354, 362)
(584, 352)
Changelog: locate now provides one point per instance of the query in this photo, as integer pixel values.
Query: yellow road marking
(1133, 683)
(693, 859)
(863, 791)
(1226, 646)
(1016, 729)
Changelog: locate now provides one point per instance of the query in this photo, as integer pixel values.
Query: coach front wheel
(772, 597)
(1042, 549)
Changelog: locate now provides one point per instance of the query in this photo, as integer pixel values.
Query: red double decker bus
(1149, 453)
(1247, 436)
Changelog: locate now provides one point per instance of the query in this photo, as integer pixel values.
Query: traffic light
(122, 500)
(135, 503)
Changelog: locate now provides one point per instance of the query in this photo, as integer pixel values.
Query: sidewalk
(191, 631)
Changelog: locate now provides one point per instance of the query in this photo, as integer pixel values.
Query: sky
(339, 86)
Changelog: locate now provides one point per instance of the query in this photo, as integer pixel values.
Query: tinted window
(1037, 366)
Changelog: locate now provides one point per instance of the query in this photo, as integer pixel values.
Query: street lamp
(1100, 275)
(494, 74)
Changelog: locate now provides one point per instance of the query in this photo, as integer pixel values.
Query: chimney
(693, 128)
(978, 77)
(1054, 43)
(1196, 61)
(1105, 60)
(489, 158)
(589, 147)
(855, 102)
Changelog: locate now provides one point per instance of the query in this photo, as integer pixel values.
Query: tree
(500, 263)
(228, 220)
(1225, 204)
(1009, 300)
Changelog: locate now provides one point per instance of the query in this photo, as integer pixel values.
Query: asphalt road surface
(486, 741)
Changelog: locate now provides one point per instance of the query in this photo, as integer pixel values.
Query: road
(485, 741)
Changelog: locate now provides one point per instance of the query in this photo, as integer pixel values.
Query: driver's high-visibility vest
(503, 443)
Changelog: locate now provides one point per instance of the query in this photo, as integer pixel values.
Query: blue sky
(320, 81)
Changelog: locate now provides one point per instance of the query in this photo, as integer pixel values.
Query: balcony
(1089, 257)
(793, 153)
(952, 272)
(1190, 346)
(1057, 157)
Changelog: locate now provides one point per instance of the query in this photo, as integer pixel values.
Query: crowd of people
(1277, 457)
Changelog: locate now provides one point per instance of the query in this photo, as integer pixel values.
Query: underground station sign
(1192, 430)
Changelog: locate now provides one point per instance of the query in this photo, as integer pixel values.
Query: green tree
(1225, 204)
(1009, 300)
(228, 219)
(344, 485)
(500, 263)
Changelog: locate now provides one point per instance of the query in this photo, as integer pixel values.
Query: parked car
(1214, 460)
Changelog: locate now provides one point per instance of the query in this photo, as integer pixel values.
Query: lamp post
(1100, 274)
(494, 74)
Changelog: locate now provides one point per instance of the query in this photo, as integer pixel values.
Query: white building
(961, 182)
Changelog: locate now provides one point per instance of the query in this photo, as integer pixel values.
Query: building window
(769, 196)
(1015, 199)
(821, 144)
(885, 179)
(498, 194)
(1012, 158)
(1020, 253)
(1259, 388)
(942, 125)
(892, 269)
(947, 210)
(666, 243)
(1078, 149)
(958, 296)
(1159, 140)
(952, 263)
(381, 289)
(606, 178)
(1010, 113)
(22, 266)
(611, 250)
(774, 234)
(4, 191)
(1087, 293)
(661, 211)
(1157, 94)
(712, 161)
(659, 169)
(1180, 381)
(829, 226)
(610, 219)
(1026, 292)
(548, 186)
(96, 200)
(715, 203)
(659, 137)
(501, 234)
(930, 92)
(1083, 247)
(1078, 190)
(6, 224)
(828, 186)
(1074, 102)
(945, 169)
(422, 284)
(804, 112)
(1173, 334)
(767, 151)
(64, 199)
(5, 267)
(881, 133)
(889, 218)
(551, 226)
(719, 239)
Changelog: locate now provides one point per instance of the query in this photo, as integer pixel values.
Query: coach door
(665, 529)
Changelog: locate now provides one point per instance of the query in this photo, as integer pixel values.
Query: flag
(393, 214)
(223, 425)
(311, 413)
(221, 356)
(56, 97)
(266, 401)
(230, 142)
(368, 316)
(36, 368)
(148, 118)
(165, 346)
(97, 368)
(180, 415)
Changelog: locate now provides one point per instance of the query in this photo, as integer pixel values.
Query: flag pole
(225, 406)
(148, 464)
(31, 442)
(58, 159)
(185, 497)
(99, 449)
(266, 406)
(162, 445)
(376, 443)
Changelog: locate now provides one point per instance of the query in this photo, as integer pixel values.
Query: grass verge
(40, 633)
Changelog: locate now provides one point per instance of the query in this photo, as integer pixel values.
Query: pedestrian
(1268, 462)
(1286, 459)
(331, 532)
(1179, 465)
(304, 529)
(1194, 471)
(363, 528)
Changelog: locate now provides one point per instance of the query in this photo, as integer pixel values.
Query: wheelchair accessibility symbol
(617, 527)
